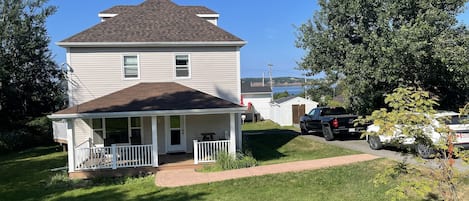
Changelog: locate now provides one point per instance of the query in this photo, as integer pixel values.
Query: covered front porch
(145, 139)
(103, 134)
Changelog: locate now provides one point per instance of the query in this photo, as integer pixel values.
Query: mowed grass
(270, 143)
(25, 176)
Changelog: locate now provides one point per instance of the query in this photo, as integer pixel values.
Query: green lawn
(25, 176)
(270, 143)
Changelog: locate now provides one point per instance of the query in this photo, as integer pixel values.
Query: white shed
(287, 111)
(259, 97)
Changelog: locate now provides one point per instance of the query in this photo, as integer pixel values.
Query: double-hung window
(130, 67)
(182, 66)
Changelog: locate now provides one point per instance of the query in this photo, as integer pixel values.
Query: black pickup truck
(331, 121)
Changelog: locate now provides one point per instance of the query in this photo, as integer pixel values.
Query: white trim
(69, 80)
(148, 113)
(208, 15)
(154, 140)
(189, 66)
(106, 15)
(123, 66)
(152, 44)
(238, 75)
(71, 145)
(233, 132)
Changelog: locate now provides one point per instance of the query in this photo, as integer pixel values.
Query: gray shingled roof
(162, 96)
(154, 21)
(284, 99)
(117, 9)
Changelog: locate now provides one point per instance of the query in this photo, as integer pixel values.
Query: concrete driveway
(355, 143)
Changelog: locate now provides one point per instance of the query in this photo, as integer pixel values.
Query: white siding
(98, 71)
(82, 131)
(282, 113)
(261, 103)
(197, 124)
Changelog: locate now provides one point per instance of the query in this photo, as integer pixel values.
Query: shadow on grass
(341, 137)
(263, 144)
(162, 194)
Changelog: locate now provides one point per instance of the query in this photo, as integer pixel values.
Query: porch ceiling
(150, 99)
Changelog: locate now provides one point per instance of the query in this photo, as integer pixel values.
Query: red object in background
(249, 106)
(335, 123)
(242, 100)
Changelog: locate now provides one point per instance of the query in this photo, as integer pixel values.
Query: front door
(175, 134)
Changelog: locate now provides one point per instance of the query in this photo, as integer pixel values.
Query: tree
(411, 113)
(325, 90)
(31, 84)
(381, 45)
(281, 95)
(30, 81)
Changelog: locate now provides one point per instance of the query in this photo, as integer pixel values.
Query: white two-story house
(148, 80)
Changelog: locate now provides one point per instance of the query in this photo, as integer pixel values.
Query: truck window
(333, 111)
(312, 112)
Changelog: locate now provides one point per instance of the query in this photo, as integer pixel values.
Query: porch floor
(176, 161)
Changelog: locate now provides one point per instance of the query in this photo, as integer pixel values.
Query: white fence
(113, 157)
(207, 151)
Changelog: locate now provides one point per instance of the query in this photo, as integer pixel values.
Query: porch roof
(145, 99)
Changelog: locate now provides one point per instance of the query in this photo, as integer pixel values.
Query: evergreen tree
(30, 81)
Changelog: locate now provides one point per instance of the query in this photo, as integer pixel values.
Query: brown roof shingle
(151, 97)
(154, 21)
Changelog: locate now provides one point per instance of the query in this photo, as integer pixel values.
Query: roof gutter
(148, 113)
(153, 44)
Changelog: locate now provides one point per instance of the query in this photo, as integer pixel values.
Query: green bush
(227, 161)
(37, 132)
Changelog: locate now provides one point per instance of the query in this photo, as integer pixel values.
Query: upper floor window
(182, 66)
(130, 67)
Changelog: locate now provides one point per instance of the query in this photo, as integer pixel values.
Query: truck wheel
(327, 133)
(374, 142)
(304, 131)
(425, 151)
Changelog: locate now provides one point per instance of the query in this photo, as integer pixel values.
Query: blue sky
(267, 26)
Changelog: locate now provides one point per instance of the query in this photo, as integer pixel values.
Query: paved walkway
(185, 177)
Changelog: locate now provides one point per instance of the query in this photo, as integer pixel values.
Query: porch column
(232, 133)
(70, 146)
(154, 140)
(239, 133)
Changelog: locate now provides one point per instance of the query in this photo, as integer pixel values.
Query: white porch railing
(113, 157)
(207, 151)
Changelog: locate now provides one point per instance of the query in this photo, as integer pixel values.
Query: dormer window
(182, 66)
(130, 67)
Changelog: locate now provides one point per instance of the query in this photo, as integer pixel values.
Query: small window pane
(135, 122)
(182, 60)
(182, 73)
(175, 122)
(130, 61)
(131, 72)
(175, 137)
(97, 124)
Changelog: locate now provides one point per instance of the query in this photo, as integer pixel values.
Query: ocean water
(292, 90)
